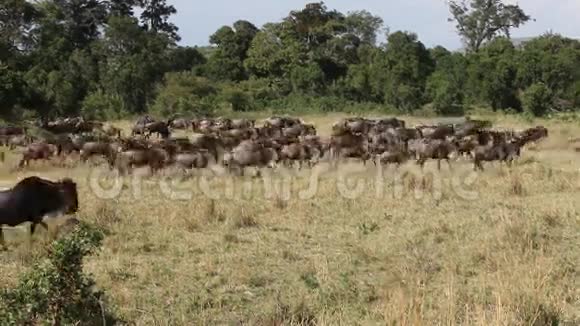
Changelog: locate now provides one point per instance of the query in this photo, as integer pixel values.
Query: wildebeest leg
(2, 243)
(421, 162)
(45, 226)
(32, 228)
(449, 163)
(439, 164)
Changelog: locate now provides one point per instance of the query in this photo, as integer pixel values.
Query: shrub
(101, 106)
(56, 291)
(448, 101)
(538, 99)
(238, 99)
(185, 94)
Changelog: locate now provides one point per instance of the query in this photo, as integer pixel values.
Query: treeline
(100, 59)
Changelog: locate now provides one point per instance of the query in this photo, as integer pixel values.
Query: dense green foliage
(56, 291)
(99, 59)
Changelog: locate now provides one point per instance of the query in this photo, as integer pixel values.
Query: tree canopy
(105, 58)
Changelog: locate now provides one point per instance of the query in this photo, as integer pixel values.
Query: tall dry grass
(411, 250)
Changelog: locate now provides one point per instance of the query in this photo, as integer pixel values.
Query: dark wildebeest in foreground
(31, 199)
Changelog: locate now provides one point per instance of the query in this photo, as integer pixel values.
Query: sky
(197, 19)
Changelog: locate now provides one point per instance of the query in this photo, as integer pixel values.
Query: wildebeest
(396, 155)
(104, 149)
(355, 126)
(435, 149)
(31, 199)
(11, 131)
(505, 152)
(282, 122)
(350, 146)
(161, 128)
(155, 158)
(143, 120)
(440, 132)
(15, 141)
(180, 123)
(203, 126)
(139, 126)
(37, 151)
(243, 124)
(298, 152)
(211, 143)
(76, 125)
(299, 130)
(389, 123)
(466, 145)
(533, 134)
(190, 160)
(250, 154)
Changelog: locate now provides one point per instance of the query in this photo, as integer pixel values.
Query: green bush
(538, 99)
(101, 106)
(448, 101)
(239, 100)
(56, 291)
(185, 94)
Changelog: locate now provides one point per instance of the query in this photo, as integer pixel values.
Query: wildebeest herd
(237, 144)
(280, 140)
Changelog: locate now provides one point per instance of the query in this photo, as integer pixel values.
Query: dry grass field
(346, 245)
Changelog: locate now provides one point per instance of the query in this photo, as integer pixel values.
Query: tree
(493, 75)
(479, 21)
(183, 93)
(408, 64)
(16, 20)
(185, 58)
(122, 7)
(132, 61)
(364, 26)
(227, 62)
(269, 54)
(155, 17)
(439, 54)
(538, 99)
(315, 24)
(552, 60)
(308, 79)
(445, 86)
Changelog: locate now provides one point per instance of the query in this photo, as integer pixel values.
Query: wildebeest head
(68, 189)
